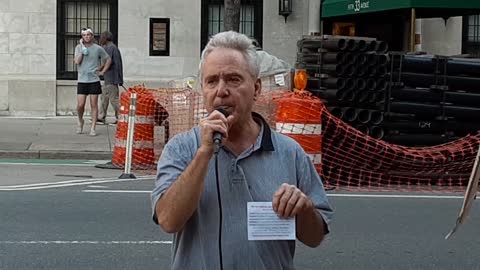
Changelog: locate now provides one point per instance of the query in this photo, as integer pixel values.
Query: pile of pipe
(432, 99)
(349, 75)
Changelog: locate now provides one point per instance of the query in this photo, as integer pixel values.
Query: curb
(83, 155)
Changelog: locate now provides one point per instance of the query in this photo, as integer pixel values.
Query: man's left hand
(289, 201)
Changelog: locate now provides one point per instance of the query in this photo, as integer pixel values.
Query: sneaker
(79, 129)
(92, 132)
(101, 121)
(113, 123)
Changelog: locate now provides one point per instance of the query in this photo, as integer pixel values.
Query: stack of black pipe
(349, 75)
(432, 99)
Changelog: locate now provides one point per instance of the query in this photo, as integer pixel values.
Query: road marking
(352, 195)
(115, 191)
(69, 183)
(51, 183)
(94, 186)
(52, 162)
(86, 242)
(405, 196)
(75, 176)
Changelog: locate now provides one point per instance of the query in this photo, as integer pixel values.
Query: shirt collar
(266, 143)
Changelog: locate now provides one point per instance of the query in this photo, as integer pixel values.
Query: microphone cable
(217, 139)
(220, 210)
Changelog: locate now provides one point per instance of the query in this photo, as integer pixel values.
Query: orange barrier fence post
(300, 117)
(131, 126)
(142, 156)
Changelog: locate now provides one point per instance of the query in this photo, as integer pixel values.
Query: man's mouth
(226, 108)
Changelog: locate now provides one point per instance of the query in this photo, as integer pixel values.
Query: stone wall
(133, 25)
(28, 84)
(280, 37)
(27, 57)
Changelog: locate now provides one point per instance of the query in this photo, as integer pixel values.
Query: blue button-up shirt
(254, 175)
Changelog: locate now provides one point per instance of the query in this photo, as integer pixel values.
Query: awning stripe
(429, 8)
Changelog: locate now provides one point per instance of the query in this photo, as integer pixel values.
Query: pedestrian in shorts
(92, 62)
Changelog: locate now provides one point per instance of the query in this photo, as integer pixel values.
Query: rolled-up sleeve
(311, 184)
(176, 156)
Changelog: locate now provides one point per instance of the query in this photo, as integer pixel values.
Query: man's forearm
(310, 228)
(181, 199)
(106, 66)
(78, 59)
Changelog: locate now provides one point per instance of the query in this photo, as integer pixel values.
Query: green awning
(426, 8)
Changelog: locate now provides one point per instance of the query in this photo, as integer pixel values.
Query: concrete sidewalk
(54, 138)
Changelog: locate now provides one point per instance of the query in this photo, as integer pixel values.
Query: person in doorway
(253, 164)
(113, 77)
(92, 61)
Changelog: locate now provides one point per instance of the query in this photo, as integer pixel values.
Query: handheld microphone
(217, 136)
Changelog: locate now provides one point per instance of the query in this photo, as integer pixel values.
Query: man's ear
(258, 89)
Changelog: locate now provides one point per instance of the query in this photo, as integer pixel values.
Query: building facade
(453, 36)
(160, 41)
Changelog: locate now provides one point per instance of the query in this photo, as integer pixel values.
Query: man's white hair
(236, 41)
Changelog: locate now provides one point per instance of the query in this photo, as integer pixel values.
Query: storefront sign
(358, 5)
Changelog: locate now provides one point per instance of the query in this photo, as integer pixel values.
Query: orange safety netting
(154, 124)
(349, 158)
(352, 160)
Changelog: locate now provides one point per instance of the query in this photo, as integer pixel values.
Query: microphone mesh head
(223, 111)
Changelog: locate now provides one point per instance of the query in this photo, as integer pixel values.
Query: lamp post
(285, 8)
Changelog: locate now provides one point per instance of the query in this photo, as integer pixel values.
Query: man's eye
(211, 82)
(234, 79)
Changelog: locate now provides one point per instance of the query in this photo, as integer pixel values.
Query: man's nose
(222, 89)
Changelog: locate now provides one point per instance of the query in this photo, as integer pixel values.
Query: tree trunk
(231, 20)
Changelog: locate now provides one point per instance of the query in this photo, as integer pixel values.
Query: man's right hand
(214, 122)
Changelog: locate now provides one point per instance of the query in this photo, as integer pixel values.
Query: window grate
(247, 20)
(471, 35)
(250, 19)
(72, 17)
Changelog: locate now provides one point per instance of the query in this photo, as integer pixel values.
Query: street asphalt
(58, 211)
(107, 225)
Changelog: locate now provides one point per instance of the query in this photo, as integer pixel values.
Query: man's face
(228, 83)
(102, 40)
(87, 37)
